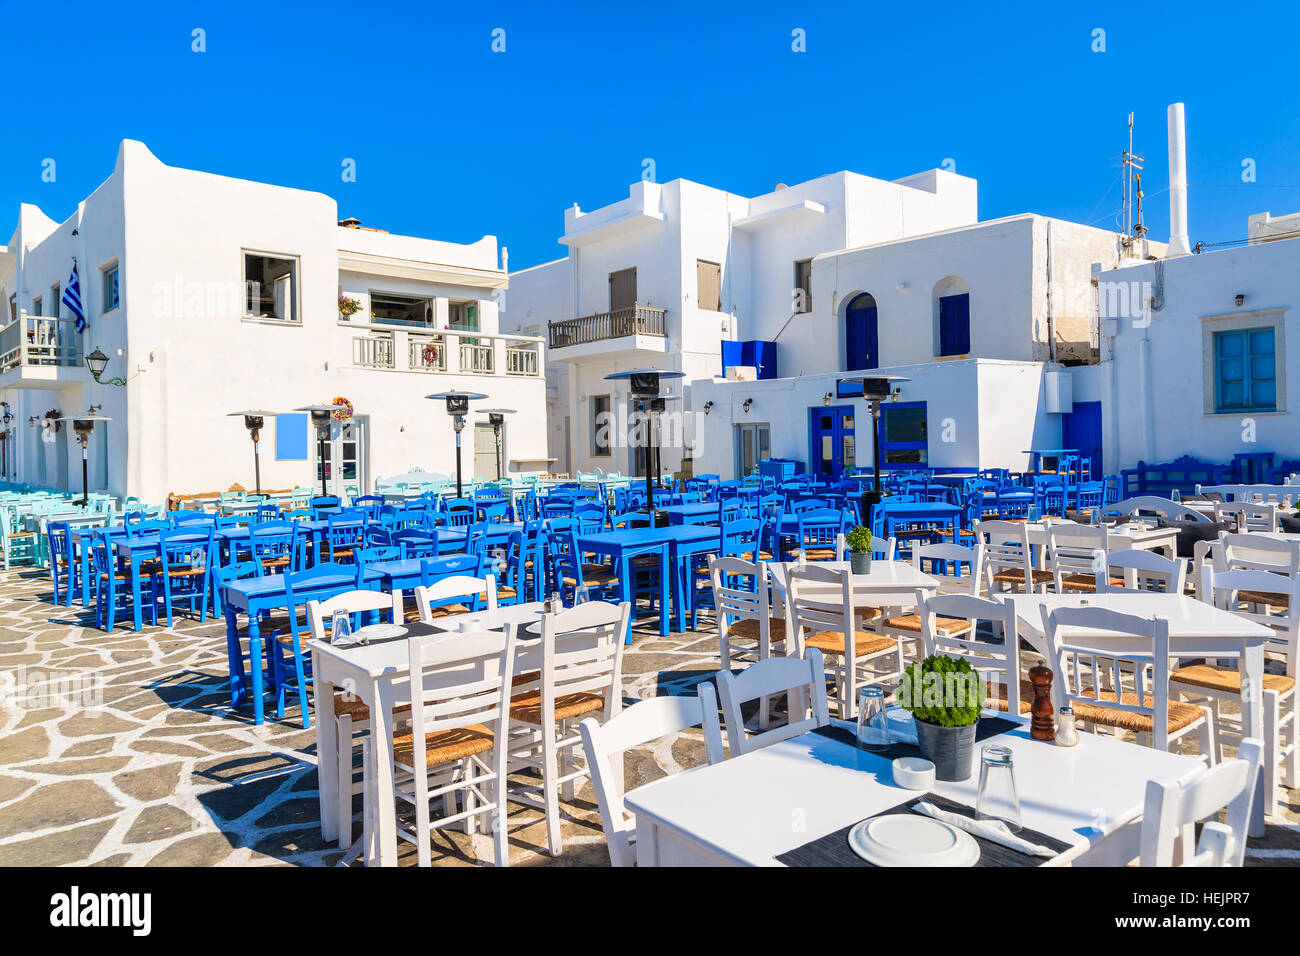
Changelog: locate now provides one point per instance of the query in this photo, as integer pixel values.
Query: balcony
(605, 326)
(40, 351)
(447, 351)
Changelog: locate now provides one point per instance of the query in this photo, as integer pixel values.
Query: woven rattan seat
(864, 642)
(1086, 582)
(444, 746)
(527, 707)
(1180, 714)
(1227, 679)
(413, 614)
(762, 556)
(912, 622)
(998, 701)
(749, 629)
(1264, 597)
(815, 554)
(354, 707)
(1017, 576)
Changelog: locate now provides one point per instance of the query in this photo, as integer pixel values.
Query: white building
(210, 295)
(664, 278)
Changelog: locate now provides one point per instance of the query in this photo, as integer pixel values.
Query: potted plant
(858, 542)
(945, 696)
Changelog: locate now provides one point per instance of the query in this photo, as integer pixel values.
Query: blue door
(1081, 429)
(832, 441)
(861, 343)
(954, 324)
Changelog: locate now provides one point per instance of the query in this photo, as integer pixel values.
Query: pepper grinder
(1042, 726)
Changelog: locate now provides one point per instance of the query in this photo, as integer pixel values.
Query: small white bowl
(913, 773)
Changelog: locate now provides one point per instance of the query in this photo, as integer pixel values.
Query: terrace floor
(164, 773)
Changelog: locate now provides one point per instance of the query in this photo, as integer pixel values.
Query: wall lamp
(708, 407)
(826, 399)
(1240, 299)
(746, 404)
(97, 361)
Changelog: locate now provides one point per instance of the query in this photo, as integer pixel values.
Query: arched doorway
(861, 342)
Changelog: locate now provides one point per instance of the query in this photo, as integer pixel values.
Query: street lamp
(97, 361)
(644, 384)
(458, 408)
(320, 417)
(6, 419)
(83, 427)
(253, 421)
(497, 418)
(875, 389)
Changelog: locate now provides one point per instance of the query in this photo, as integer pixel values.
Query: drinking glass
(1033, 515)
(341, 629)
(581, 596)
(997, 798)
(873, 727)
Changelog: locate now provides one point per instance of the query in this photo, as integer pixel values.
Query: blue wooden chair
(458, 513)
(494, 512)
(287, 649)
(185, 572)
(234, 571)
(415, 542)
(112, 583)
(56, 535)
(344, 533)
(275, 546)
(817, 534)
(322, 506)
(370, 504)
(268, 511)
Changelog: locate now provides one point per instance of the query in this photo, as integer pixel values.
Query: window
(622, 289)
(708, 285)
(753, 444)
(803, 285)
(600, 426)
(270, 287)
(861, 336)
(954, 324)
(903, 441)
(1245, 370)
(13, 307)
(463, 315)
(36, 306)
(111, 296)
(55, 300)
(400, 309)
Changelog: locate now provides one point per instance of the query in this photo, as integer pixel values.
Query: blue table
(267, 593)
(704, 513)
(79, 554)
(137, 549)
(622, 545)
(929, 512)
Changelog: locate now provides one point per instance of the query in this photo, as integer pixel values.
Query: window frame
(56, 300)
(805, 286)
(430, 307)
(596, 448)
(111, 267)
(738, 443)
(887, 446)
(296, 289)
(1255, 320)
(37, 303)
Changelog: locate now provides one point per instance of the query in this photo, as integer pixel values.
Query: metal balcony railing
(636, 320)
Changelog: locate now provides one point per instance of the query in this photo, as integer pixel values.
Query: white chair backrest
(802, 678)
(939, 559)
(1006, 547)
(1098, 653)
(820, 599)
(1077, 549)
(1247, 515)
(740, 590)
(643, 722)
(1238, 552)
(996, 656)
(581, 651)
(1154, 505)
(456, 586)
(1171, 806)
(1239, 591)
(881, 550)
(1143, 571)
(321, 613)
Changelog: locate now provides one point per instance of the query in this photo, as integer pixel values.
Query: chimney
(1178, 245)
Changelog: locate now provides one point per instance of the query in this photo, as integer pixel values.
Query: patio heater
(320, 417)
(458, 408)
(876, 389)
(644, 385)
(253, 421)
(83, 427)
(5, 419)
(497, 418)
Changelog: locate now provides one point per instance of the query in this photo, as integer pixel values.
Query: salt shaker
(1067, 735)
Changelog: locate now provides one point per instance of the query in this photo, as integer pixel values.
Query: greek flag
(72, 298)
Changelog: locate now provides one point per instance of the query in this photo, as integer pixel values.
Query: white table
(748, 810)
(379, 674)
(1122, 537)
(1196, 629)
(887, 584)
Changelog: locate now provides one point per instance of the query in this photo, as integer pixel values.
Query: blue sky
(453, 141)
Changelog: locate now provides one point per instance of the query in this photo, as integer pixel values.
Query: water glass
(581, 595)
(1033, 514)
(997, 798)
(341, 629)
(873, 726)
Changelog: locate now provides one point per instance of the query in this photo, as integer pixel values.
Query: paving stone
(57, 805)
(78, 768)
(30, 744)
(151, 783)
(207, 849)
(159, 823)
(104, 723)
(56, 849)
(11, 787)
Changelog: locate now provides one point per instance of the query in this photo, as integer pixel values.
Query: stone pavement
(159, 771)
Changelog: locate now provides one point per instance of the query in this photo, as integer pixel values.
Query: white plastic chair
(802, 679)
(647, 720)
(1172, 810)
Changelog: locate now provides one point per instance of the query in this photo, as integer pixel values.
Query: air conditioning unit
(742, 373)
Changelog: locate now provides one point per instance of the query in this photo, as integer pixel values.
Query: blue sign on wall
(291, 437)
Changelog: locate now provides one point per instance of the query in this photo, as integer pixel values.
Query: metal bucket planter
(860, 562)
(950, 749)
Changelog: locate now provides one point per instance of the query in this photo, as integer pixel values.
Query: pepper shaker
(1041, 712)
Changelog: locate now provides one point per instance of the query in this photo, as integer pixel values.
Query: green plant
(859, 540)
(943, 690)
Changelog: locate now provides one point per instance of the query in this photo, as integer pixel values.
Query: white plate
(909, 839)
(378, 632)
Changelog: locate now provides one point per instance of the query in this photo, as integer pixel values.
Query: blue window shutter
(954, 324)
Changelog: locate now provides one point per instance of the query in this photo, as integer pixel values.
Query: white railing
(427, 353)
(39, 340)
(372, 351)
(476, 359)
(521, 360)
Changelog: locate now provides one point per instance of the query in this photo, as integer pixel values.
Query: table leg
(327, 759)
(381, 796)
(629, 587)
(237, 690)
(1252, 716)
(664, 608)
(136, 611)
(85, 574)
(255, 662)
